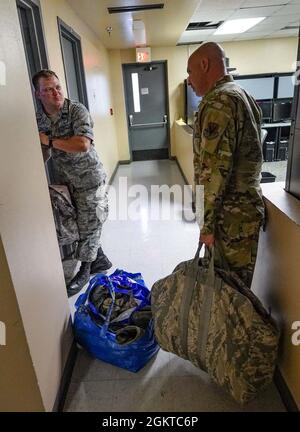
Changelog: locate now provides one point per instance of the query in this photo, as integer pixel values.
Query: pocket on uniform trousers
(102, 207)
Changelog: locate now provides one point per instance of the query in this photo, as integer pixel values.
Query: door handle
(147, 124)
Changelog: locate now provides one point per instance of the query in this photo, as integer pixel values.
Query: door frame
(64, 30)
(165, 63)
(37, 33)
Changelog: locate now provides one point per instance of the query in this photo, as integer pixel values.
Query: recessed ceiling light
(237, 25)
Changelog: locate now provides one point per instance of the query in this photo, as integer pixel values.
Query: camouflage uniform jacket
(228, 159)
(82, 170)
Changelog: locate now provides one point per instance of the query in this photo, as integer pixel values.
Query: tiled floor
(154, 248)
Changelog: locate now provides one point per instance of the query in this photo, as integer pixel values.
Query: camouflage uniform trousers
(92, 211)
(237, 254)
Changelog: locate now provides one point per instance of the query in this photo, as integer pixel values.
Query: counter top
(289, 205)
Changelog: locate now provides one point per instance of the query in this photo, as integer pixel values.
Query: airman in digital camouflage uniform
(67, 127)
(227, 162)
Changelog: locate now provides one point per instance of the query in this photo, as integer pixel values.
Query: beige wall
(119, 104)
(26, 222)
(183, 146)
(97, 72)
(249, 57)
(19, 389)
(262, 56)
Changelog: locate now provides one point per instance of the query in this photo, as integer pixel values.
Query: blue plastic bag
(97, 338)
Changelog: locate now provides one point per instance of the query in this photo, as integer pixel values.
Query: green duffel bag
(209, 316)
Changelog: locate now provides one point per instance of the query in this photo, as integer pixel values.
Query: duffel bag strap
(189, 285)
(210, 285)
(83, 298)
(109, 312)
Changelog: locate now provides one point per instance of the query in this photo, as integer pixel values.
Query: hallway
(152, 247)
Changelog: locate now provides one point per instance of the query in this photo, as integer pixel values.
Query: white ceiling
(163, 26)
(278, 13)
(166, 27)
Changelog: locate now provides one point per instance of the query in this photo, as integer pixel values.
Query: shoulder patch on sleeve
(214, 123)
(211, 130)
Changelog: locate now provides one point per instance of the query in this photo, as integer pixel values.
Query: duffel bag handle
(210, 254)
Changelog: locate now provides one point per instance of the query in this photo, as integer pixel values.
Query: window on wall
(73, 63)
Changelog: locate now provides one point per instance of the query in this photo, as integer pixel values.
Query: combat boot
(80, 279)
(101, 263)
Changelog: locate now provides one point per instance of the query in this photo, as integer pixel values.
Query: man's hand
(207, 239)
(44, 139)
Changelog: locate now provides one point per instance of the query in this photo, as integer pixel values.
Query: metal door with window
(147, 110)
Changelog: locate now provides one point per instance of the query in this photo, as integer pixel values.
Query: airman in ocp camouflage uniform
(69, 126)
(227, 162)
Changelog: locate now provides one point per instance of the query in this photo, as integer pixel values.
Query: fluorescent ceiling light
(238, 25)
(139, 33)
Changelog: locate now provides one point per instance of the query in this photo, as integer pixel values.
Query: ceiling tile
(255, 12)
(269, 23)
(293, 24)
(285, 33)
(194, 36)
(257, 35)
(219, 4)
(281, 20)
(258, 3)
(288, 10)
(212, 15)
(220, 38)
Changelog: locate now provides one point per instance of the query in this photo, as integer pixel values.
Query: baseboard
(66, 379)
(113, 174)
(122, 162)
(125, 162)
(153, 154)
(285, 393)
(186, 182)
(180, 169)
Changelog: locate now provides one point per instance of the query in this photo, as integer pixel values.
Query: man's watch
(50, 143)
